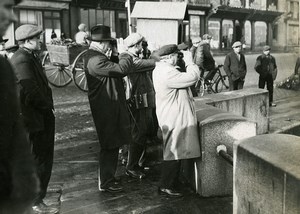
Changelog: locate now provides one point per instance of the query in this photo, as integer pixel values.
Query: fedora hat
(101, 33)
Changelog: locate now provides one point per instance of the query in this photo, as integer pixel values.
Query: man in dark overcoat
(36, 105)
(108, 103)
(235, 67)
(266, 67)
(18, 180)
(143, 103)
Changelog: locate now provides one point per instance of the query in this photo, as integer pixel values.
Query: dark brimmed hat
(27, 31)
(183, 46)
(167, 49)
(266, 48)
(101, 33)
(3, 40)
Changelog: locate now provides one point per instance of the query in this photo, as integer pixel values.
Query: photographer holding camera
(142, 104)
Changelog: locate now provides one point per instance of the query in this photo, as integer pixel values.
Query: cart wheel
(79, 68)
(222, 84)
(58, 75)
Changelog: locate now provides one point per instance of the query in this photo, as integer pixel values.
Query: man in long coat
(37, 106)
(176, 114)
(108, 103)
(18, 180)
(143, 103)
(235, 67)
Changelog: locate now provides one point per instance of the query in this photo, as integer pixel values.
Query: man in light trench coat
(176, 114)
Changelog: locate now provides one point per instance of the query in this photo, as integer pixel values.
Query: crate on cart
(64, 54)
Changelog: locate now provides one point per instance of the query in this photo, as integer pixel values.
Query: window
(293, 35)
(294, 9)
(194, 26)
(214, 31)
(260, 33)
(52, 22)
(92, 17)
(227, 33)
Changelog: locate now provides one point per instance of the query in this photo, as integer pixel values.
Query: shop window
(194, 26)
(248, 33)
(28, 17)
(260, 33)
(227, 33)
(214, 31)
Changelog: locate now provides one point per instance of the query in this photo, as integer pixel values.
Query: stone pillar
(252, 35)
(267, 174)
(212, 174)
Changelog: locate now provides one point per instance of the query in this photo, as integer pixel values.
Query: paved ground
(76, 154)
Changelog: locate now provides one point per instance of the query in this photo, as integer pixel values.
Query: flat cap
(27, 31)
(206, 36)
(133, 39)
(167, 49)
(196, 40)
(266, 48)
(236, 44)
(183, 46)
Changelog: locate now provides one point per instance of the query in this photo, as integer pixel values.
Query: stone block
(213, 175)
(251, 103)
(267, 175)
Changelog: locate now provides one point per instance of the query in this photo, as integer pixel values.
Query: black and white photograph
(149, 107)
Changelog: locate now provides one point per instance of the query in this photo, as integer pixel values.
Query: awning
(160, 10)
(226, 12)
(46, 5)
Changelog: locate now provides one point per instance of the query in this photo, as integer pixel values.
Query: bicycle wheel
(79, 68)
(58, 75)
(222, 84)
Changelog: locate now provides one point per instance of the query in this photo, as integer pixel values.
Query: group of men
(235, 65)
(28, 123)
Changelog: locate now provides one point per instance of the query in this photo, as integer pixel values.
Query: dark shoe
(273, 105)
(112, 187)
(43, 208)
(135, 174)
(170, 192)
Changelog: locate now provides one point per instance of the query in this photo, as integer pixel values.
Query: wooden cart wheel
(79, 68)
(58, 75)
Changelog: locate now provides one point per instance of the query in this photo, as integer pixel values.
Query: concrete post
(267, 174)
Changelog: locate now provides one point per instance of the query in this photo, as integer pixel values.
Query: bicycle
(219, 83)
(65, 64)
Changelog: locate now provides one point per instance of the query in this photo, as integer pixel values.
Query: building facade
(253, 22)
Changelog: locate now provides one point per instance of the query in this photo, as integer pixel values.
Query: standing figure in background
(145, 51)
(37, 106)
(235, 67)
(142, 104)
(18, 179)
(2, 46)
(267, 69)
(176, 115)
(53, 34)
(81, 37)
